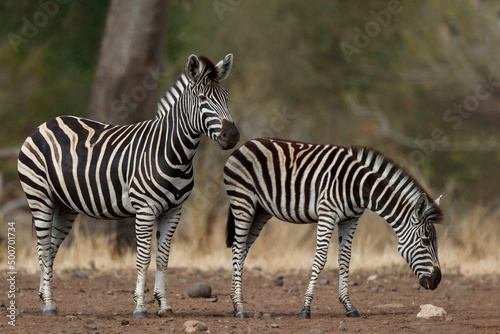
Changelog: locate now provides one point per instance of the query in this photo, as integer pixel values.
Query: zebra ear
(421, 205)
(438, 200)
(193, 68)
(224, 67)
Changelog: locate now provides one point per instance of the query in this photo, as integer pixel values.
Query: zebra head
(210, 100)
(418, 244)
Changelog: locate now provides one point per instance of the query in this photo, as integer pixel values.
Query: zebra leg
(165, 228)
(62, 222)
(144, 223)
(260, 219)
(346, 233)
(324, 234)
(243, 219)
(42, 219)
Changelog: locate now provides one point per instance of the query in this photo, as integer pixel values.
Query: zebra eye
(203, 97)
(426, 241)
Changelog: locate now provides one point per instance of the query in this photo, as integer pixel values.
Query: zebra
(305, 183)
(72, 165)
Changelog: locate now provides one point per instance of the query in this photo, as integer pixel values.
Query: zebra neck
(172, 115)
(392, 195)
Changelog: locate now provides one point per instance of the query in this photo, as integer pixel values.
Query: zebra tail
(230, 229)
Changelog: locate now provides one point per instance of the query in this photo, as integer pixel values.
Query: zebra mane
(434, 213)
(209, 69)
(174, 92)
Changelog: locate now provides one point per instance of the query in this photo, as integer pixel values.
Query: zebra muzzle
(229, 135)
(432, 281)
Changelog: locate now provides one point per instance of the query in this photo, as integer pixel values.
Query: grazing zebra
(71, 165)
(331, 185)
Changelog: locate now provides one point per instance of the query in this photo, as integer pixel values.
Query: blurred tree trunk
(125, 89)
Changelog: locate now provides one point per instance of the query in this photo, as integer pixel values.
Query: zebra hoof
(140, 314)
(305, 313)
(50, 311)
(240, 315)
(166, 313)
(352, 312)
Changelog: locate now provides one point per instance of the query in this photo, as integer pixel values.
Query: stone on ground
(200, 290)
(194, 326)
(294, 290)
(428, 311)
(316, 331)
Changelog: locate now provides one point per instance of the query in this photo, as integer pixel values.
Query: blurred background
(418, 80)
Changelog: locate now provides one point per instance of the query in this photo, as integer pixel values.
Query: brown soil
(103, 303)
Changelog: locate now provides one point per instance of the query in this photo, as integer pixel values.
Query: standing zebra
(331, 185)
(72, 165)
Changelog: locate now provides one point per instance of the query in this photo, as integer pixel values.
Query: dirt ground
(99, 302)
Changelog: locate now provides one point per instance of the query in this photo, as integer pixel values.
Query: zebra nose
(435, 278)
(229, 135)
(432, 281)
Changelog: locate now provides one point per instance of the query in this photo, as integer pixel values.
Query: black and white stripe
(72, 165)
(331, 185)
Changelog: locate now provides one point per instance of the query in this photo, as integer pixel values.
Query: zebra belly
(290, 210)
(105, 203)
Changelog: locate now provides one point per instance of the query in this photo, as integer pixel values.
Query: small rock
(341, 326)
(257, 315)
(416, 286)
(381, 312)
(324, 282)
(375, 290)
(70, 317)
(79, 274)
(275, 326)
(149, 300)
(428, 310)
(385, 322)
(92, 327)
(449, 318)
(183, 281)
(194, 326)
(201, 326)
(378, 285)
(352, 284)
(278, 281)
(2, 304)
(394, 289)
(211, 300)
(125, 322)
(200, 290)
(180, 296)
(266, 316)
(294, 290)
(316, 331)
(372, 277)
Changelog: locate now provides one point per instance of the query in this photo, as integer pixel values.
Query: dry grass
(468, 244)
